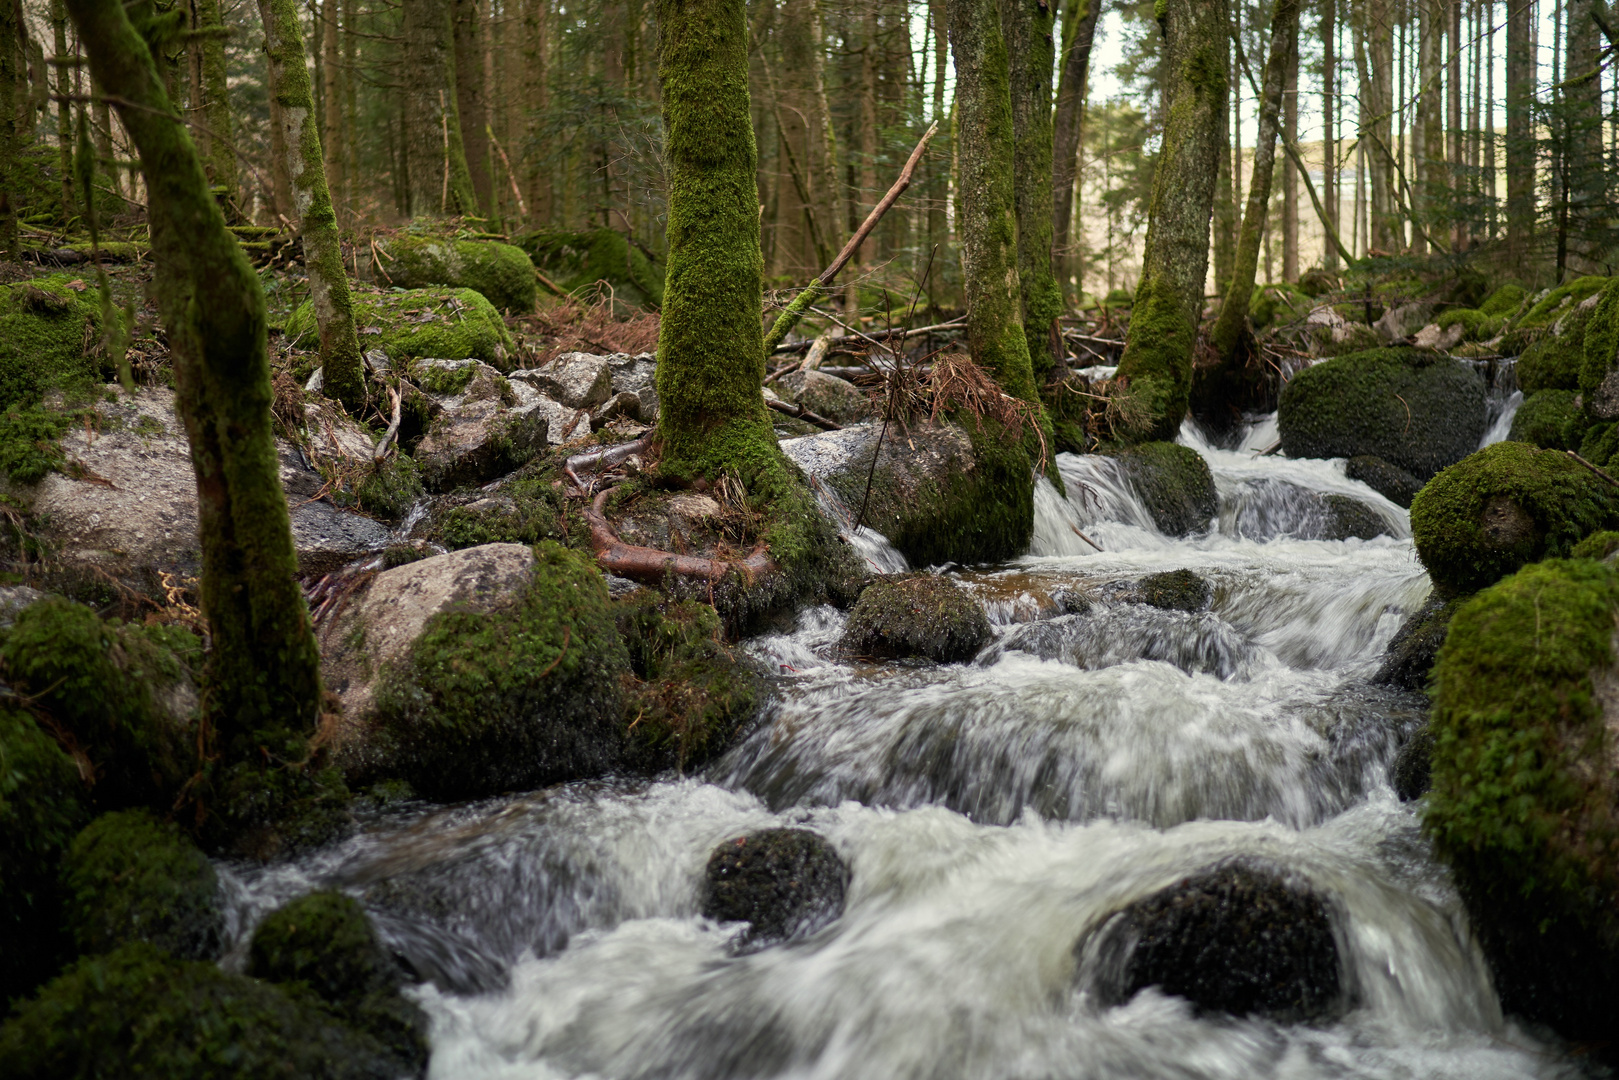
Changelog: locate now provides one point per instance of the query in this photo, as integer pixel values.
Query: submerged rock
(924, 615)
(784, 883)
(1175, 590)
(1242, 939)
(1390, 481)
(1174, 483)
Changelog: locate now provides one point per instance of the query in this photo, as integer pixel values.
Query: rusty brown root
(649, 565)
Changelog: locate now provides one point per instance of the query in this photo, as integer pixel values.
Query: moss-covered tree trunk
(1232, 325)
(1078, 33)
(343, 376)
(9, 31)
(986, 212)
(1028, 25)
(1157, 363)
(439, 182)
(263, 673)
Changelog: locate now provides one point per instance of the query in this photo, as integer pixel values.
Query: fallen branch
(1593, 468)
(801, 413)
(795, 310)
(649, 565)
(604, 458)
(393, 427)
(1083, 537)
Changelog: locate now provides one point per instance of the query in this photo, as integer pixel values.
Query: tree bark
(263, 667)
(64, 119)
(331, 133)
(435, 156)
(1520, 154)
(1027, 26)
(536, 98)
(216, 111)
(1232, 325)
(1330, 192)
(471, 99)
(1430, 178)
(1582, 97)
(1156, 368)
(343, 376)
(10, 37)
(1290, 174)
(1078, 34)
(1374, 57)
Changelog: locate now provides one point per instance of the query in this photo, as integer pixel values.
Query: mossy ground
(1504, 506)
(502, 273)
(450, 324)
(1505, 300)
(1520, 808)
(576, 261)
(920, 615)
(49, 329)
(1476, 325)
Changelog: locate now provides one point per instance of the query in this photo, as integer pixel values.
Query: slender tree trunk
(1078, 34)
(263, 674)
(536, 99)
(1455, 152)
(1224, 243)
(1232, 325)
(986, 214)
(1376, 68)
(64, 118)
(1520, 156)
(1156, 368)
(216, 111)
(1027, 26)
(939, 164)
(435, 155)
(1290, 175)
(1430, 174)
(331, 134)
(10, 38)
(1582, 96)
(342, 372)
(1331, 191)
(865, 194)
(471, 101)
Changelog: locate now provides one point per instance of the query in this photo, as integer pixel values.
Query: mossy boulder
(1505, 300)
(125, 694)
(1554, 360)
(130, 877)
(48, 328)
(1416, 410)
(1244, 939)
(1525, 799)
(1410, 654)
(1174, 483)
(576, 261)
(1344, 517)
(325, 942)
(1599, 545)
(1543, 419)
(1599, 370)
(1316, 282)
(1559, 302)
(501, 272)
(784, 883)
(524, 693)
(1390, 481)
(44, 802)
(450, 324)
(1475, 324)
(1504, 506)
(688, 692)
(1276, 304)
(1175, 590)
(139, 1012)
(836, 399)
(919, 615)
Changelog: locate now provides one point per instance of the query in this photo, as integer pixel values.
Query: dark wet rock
(784, 883)
(1174, 483)
(1348, 517)
(1119, 633)
(1411, 653)
(1390, 481)
(130, 877)
(1175, 590)
(1412, 770)
(922, 615)
(836, 399)
(1241, 938)
(1419, 411)
(1263, 509)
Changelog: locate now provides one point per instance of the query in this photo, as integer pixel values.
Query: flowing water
(993, 815)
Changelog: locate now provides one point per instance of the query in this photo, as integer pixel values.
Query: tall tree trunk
(10, 38)
(435, 155)
(1331, 193)
(1430, 149)
(1290, 173)
(1374, 57)
(343, 375)
(64, 119)
(536, 99)
(1156, 368)
(216, 111)
(865, 194)
(1455, 153)
(1520, 153)
(1582, 96)
(986, 215)
(1027, 26)
(939, 164)
(471, 101)
(1078, 34)
(331, 134)
(262, 690)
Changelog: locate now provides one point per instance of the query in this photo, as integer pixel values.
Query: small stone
(784, 883)
(1175, 590)
(578, 380)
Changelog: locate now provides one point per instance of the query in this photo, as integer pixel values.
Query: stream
(993, 814)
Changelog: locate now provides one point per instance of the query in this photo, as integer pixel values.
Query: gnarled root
(648, 565)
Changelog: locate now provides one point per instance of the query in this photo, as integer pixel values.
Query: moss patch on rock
(1525, 799)
(1505, 300)
(920, 615)
(130, 877)
(1414, 409)
(578, 260)
(1175, 484)
(1504, 506)
(448, 324)
(783, 883)
(501, 272)
(1554, 360)
(1559, 301)
(1543, 419)
(1475, 324)
(1175, 590)
(49, 327)
(1599, 545)
(522, 696)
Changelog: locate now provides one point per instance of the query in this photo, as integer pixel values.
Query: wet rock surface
(922, 616)
(1175, 590)
(1411, 653)
(784, 883)
(1411, 772)
(1175, 485)
(1390, 481)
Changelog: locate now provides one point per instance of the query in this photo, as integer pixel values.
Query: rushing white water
(993, 815)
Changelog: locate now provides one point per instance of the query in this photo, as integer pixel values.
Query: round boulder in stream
(921, 615)
(1240, 938)
(1175, 590)
(784, 883)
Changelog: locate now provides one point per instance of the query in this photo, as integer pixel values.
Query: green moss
(1520, 809)
(28, 446)
(43, 804)
(124, 694)
(1599, 545)
(138, 1012)
(130, 877)
(576, 261)
(1599, 443)
(1477, 325)
(1175, 484)
(1155, 372)
(1413, 409)
(501, 272)
(522, 511)
(1501, 507)
(391, 488)
(47, 329)
(1543, 417)
(448, 381)
(518, 697)
(920, 615)
(1175, 590)
(451, 324)
(1505, 300)
(1559, 302)
(1553, 361)
(1601, 343)
(1276, 304)
(689, 692)
(286, 802)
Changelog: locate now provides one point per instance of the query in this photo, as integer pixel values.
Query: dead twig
(801, 413)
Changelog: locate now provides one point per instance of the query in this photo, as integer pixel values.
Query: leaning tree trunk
(1078, 32)
(343, 375)
(1027, 25)
(1232, 326)
(263, 674)
(1155, 371)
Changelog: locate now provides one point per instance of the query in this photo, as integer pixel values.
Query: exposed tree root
(649, 565)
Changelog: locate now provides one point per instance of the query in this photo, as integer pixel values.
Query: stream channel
(993, 815)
